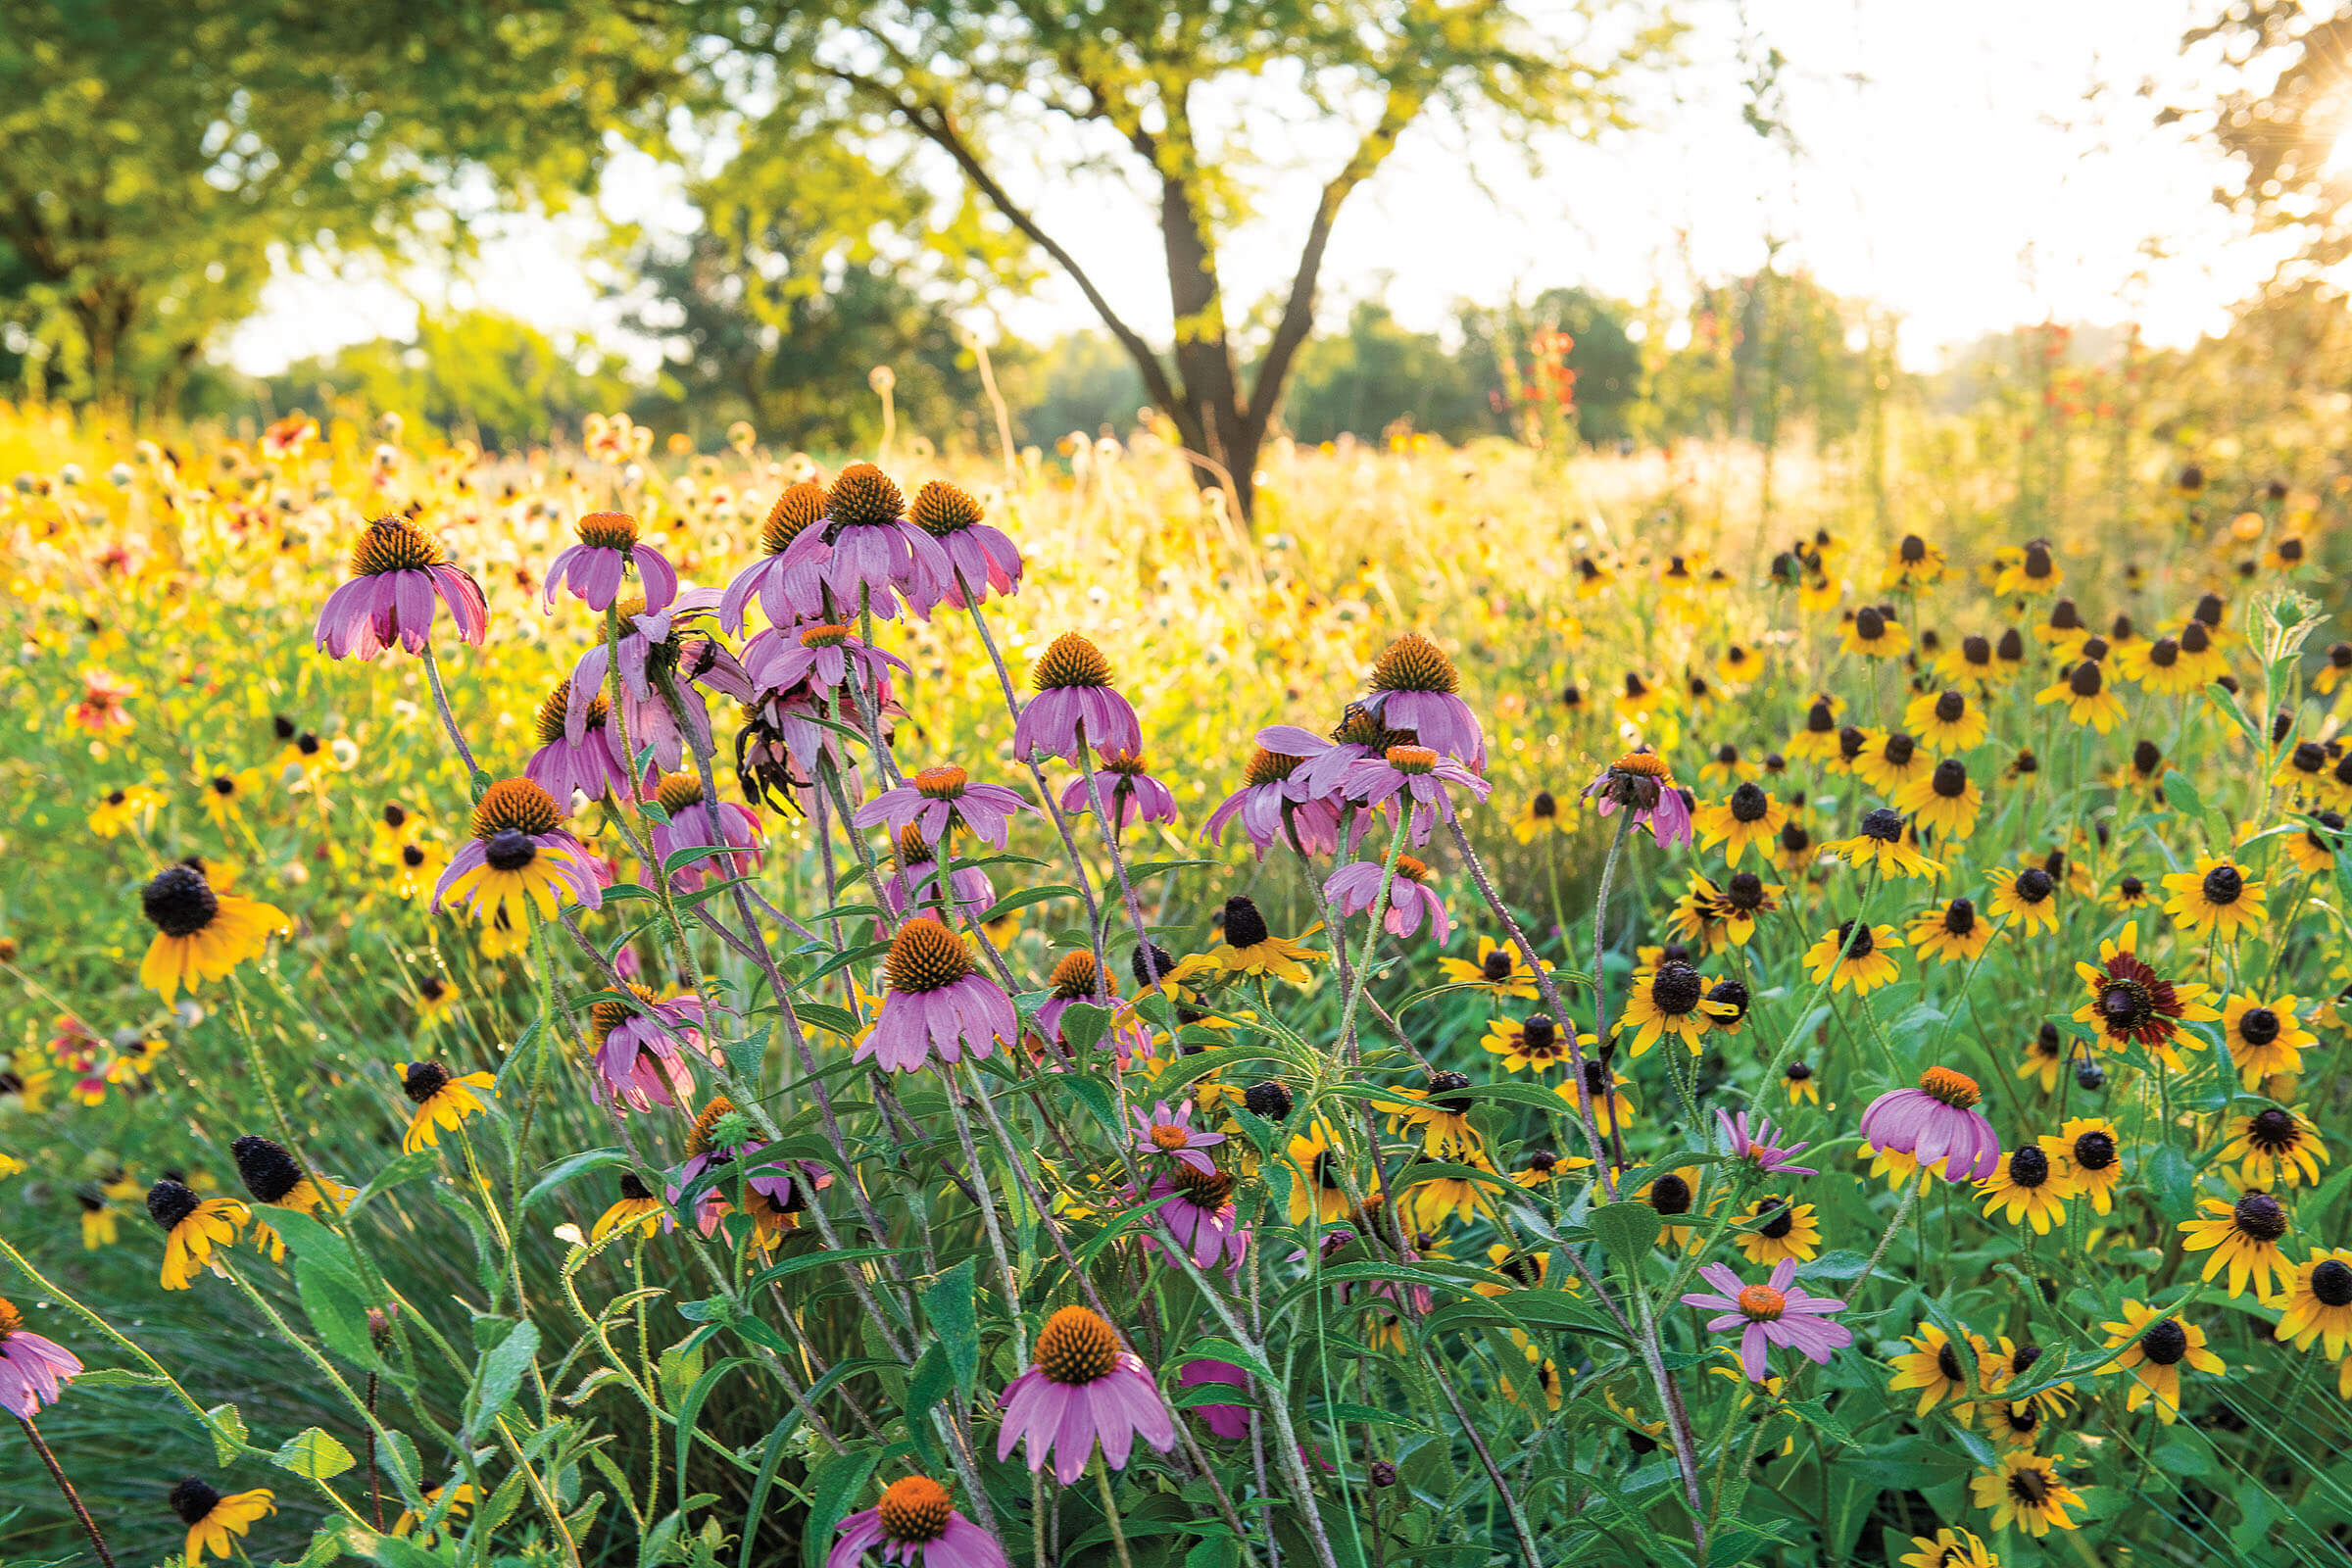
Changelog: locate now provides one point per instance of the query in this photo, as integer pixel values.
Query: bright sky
(1971, 168)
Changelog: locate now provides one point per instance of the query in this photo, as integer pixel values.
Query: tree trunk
(1212, 421)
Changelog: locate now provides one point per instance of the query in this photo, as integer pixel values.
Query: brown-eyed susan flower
(1730, 999)
(2085, 1151)
(2084, 692)
(1794, 851)
(1536, 1043)
(201, 933)
(1816, 739)
(215, 1522)
(1604, 1089)
(519, 853)
(2029, 569)
(1946, 720)
(1497, 970)
(1968, 665)
(1525, 1268)
(225, 794)
(1540, 815)
(1819, 592)
(192, 1225)
(1745, 898)
(443, 1102)
(275, 1179)
(1944, 799)
(1431, 1199)
(2010, 1364)
(2334, 668)
(2157, 1345)
(1593, 579)
(1695, 918)
(2303, 770)
(2319, 1302)
(1782, 1228)
(1440, 1112)
(2265, 1038)
(2064, 633)
(2129, 893)
(1801, 1083)
(1950, 933)
(2132, 1004)
(2012, 1423)
(129, 810)
(2243, 1237)
(1672, 1195)
(2027, 1187)
(1873, 635)
(638, 1208)
(1672, 999)
(2023, 1489)
(2216, 898)
(1886, 844)
(1853, 957)
(1912, 563)
(1316, 1188)
(1725, 767)
(1888, 759)
(1949, 1547)
(1747, 817)
(2315, 849)
(2277, 1144)
(2029, 896)
(1250, 946)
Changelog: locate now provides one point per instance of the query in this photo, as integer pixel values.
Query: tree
(1129, 86)
(1376, 373)
(154, 159)
(2281, 108)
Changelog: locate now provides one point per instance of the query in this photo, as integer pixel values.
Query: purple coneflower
(1201, 1217)
(1272, 782)
(1223, 1420)
(1355, 888)
(520, 852)
(821, 652)
(696, 824)
(865, 556)
(980, 555)
(937, 1001)
(398, 573)
(1935, 1120)
(1639, 782)
(916, 1526)
(914, 880)
(1073, 694)
(34, 1371)
(721, 1135)
(1776, 1313)
(653, 644)
(1173, 1134)
(593, 569)
(1129, 791)
(641, 1060)
(780, 587)
(942, 795)
(1075, 980)
(1413, 688)
(1420, 775)
(1082, 1389)
(1755, 1144)
(591, 764)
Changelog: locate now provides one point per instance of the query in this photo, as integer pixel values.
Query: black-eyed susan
(1952, 933)
(2319, 1302)
(443, 1101)
(1725, 767)
(127, 809)
(2012, 1423)
(1695, 918)
(2027, 1187)
(1889, 759)
(2131, 1003)
(1433, 1196)
(436, 997)
(1730, 1001)
(1948, 1547)
(2010, 1364)
(2030, 896)
(1853, 957)
(200, 933)
(2084, 689)
(1747, 898)
(2129, 893)
(2215, 899)
(2303, 770)
(1946, 720)
(1912, 563)
(1944, 799)
(1250, 946)
(1438, 1111)
(1604, 1089)
(1742, 665)
(1316, 1187)
(2334, 668)
(638, 1208)
(2315, 849)
(1672, 1194)
(2024, 1489)
(1794, 851)
(225, 794)
(2155, 1347)
(1892, 1165)
(1640, 704)
(520, 854)
(192, 1225)
(2277, 1144)
(1535, 1043)
(2087, 1151)
(2027, 568)
(1524, 1267)
(1801, 1083)
(1745, 818)
(2243, 1238)
(461, 1500)
(1968, 665)
(415, 867)
(275, 1179)
(215, 1522)
(1873, 634)
(2064, 633)
(1671, 999)
(1933, 1367)
(1539, 816)
(1775, 1228)
(2265, 1038)
(1819, 592)
(1496, 969)
(1886, 844)
(1815, 740)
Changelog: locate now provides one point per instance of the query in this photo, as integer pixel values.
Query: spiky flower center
(1670, 1195)
(1744, 893)
(1167, 1137)
(926, 956)
(169, 1202)
(1869, 625)
(944, 783)
(2259, 1217)
(1075, 977)
(1269, 768)
(516, 805)
(941, 508)
(862, 495)
(424, 1080)
(701, 1137)
(2164, 1343)
(1070, 662)
(1954, 1089)
(795, 510)
(1244, 924)
(2331, 1283)
(1675, 990)
(2034, 885)
(394, 544)
(1414, 664)
(1884, 824)
(1415, 762)
(2223, 884)
(2195, 638)
(1749, 803)
(824, 636)
(1413, 869)
(1076, 1347)
(914, 1510)
(610, 1014)
(1779, 1218)
(12, 1321)
(1855, 941)
(269, 1171)
(1543, 806)
(607, 530)
(556, 709)
(1762, 1304)
(678, 791)
(2028, 1166)
(194, 1502)
(180, 900)
(2094, 1151)
(1976, 650)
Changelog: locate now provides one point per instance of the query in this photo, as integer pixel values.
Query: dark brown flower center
(2223, 884)
(1749, 803)
(1960, 916)
(2028, 1166)
(1670, 1195)
(2258, 1026)
(169, 1202)
(2034, 885)
(1950, 779)
(1885, 824)
(1675, 989)
(180, 900)
(2331, 1283)
(2164, 1343)
(2094, 1151)
(2259, 1217)
(267, 1169)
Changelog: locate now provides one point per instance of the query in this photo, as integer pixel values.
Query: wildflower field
(616, 1005)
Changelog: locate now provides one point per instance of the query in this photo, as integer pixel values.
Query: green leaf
(336, 1312)
(1026, 897)
(406, 1168)
(2173, 1182)
(563, 1170)
(228, 1433)
(502, 1370)
(834, 1481)
(310, 1239)
(929, 1381)
(117, 1377)
(1083, 1025)
(1096, 1099)
(951, 1304)
(1629, 1230)
(312, 1455)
